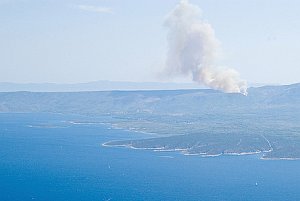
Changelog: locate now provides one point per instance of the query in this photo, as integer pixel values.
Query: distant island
(195, 121)
(101, 85)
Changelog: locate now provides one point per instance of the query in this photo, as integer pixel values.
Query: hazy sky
(69, 41)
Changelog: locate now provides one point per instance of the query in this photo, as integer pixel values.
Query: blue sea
(45, 157)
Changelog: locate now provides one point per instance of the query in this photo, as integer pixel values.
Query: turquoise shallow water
(42, 157)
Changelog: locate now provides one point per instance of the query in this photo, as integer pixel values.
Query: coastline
(203, 154)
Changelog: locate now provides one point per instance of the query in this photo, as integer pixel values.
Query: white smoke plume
(193, 49)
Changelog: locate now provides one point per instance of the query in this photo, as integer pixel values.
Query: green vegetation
(204, 122)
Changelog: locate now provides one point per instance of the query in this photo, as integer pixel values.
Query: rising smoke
(193, 49)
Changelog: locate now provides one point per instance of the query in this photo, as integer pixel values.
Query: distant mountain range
(99, 86)
(94, 86)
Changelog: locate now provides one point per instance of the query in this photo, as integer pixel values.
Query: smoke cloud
(193, 50)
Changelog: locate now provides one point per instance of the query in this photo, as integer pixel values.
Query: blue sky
(68, 41)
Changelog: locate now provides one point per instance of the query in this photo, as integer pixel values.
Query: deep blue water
(54, 160)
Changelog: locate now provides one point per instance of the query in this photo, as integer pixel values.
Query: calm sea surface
(43, 157)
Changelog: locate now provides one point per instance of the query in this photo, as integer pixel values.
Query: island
(200, 122)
